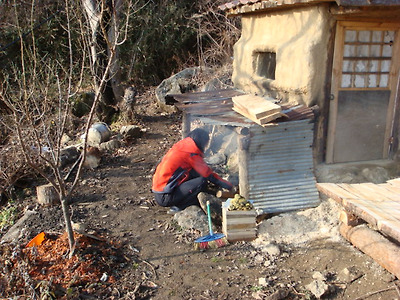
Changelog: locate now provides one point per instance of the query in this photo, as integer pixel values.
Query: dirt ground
(114, 201)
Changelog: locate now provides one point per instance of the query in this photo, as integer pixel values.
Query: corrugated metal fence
(280, 167)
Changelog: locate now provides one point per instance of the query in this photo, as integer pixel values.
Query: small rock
(258, 259)
(271, 249)
(69, 155)
(318, 288)
(319, 276)
(110, 145)
(262, 281)
(350, 274)
(131, 131)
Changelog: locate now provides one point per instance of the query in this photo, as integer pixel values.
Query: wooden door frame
(393, 85)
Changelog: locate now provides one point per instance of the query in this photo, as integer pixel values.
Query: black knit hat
(200, 137)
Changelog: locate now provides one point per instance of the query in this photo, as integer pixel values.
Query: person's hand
(234, 189)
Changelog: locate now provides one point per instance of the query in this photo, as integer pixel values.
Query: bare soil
(154, 258)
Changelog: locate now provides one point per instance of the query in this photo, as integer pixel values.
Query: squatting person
(182, 173)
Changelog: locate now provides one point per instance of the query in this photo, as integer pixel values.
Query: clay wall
(299, 40)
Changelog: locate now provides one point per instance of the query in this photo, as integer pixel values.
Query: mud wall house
(342, 55)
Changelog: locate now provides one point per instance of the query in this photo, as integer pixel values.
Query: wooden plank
(239, 226)
(246, 220)
(360, 191)
(257, 106)
(391, 188)
(390, 228)
(334, 191)
(382, 220)
(376, 204)
(395, 182)
(381, 192)
(247, 235)
(262, 121)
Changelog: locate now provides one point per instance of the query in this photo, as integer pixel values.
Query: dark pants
(184, 195)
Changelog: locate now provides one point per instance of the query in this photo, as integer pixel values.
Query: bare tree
(103, 16)
(38, 97)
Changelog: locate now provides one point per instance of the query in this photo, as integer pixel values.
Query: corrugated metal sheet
(280, 167)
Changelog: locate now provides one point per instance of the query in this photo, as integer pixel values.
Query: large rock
(176, 84)
(192, 217)
(131, 132)
(69, 155)
(18, 230)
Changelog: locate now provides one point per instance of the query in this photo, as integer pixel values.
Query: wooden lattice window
(367, 58)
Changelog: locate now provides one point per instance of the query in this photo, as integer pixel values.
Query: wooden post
(348, 218)
(225, 194)
(372, 243)
(47, 195)
(244, 143)
(185, 124)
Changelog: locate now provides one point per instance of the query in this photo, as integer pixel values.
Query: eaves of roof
(237, 7)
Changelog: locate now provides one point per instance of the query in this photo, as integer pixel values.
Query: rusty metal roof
(246, 6)
(217, 105)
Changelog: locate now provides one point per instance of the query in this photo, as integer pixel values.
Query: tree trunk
(103, 18)
(68, 224)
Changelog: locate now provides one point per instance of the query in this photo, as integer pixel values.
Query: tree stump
(47, 195)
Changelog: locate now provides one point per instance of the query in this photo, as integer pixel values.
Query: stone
(376, 175)
(16, 231)
(348, 275)
(193, 217)
(215, 84)
(271, 249)
(131, 131)
(177, 84)
(69, 155)
(216, 159)
(110, 145)
(262, 281)
(319, 276)
(93, 158)
(318, 288)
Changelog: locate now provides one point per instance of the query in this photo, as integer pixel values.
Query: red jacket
(175, 166)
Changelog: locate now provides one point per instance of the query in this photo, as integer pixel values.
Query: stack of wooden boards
(257, 109)
(239, 225)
